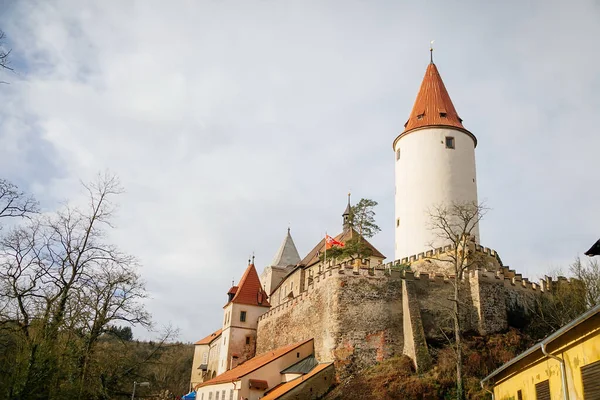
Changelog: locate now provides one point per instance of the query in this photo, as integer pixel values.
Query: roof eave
(577, 321)
(418, 128)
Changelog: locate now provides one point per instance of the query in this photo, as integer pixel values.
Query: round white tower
(435, 165)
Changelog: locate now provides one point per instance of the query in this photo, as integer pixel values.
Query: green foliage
(121, 332)
(398, 266)
(63, 293)
(362, 218)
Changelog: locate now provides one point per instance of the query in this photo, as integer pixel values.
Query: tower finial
(431, 51)
(252, 258)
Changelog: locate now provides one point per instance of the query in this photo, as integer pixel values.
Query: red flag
(330, 242)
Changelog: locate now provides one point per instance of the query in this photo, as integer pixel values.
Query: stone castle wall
(359, 316)
(354, 315)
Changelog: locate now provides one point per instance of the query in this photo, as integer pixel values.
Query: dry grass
(395, 378)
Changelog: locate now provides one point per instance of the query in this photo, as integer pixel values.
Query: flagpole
(325, 259)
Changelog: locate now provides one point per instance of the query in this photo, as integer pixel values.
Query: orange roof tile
(282, 389)
(210, 338)
(252, 365)
(433, 106)
(249, 290)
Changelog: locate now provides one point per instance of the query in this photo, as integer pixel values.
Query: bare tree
(454, 225)
(112, 295)
(61, 282)
(15, 203)
(4, 54)
(589, 274)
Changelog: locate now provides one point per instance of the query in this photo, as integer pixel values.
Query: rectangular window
(449, 142)
(247, 339)
(210, 396)
(590, 376)
(243, 316)
(542, 390)
(205, 358)
(519, 395)
(217, 395)
(202, 396)
(223, 395)
(231, 394)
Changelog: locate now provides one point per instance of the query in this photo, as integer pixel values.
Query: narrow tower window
(242, 316)
(443, 114)
(397, 222)
(397, 154)
(449, 142)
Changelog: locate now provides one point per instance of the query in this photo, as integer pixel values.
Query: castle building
(246, 302)
(285, 260)
(434, 164)
(358, 311)
(206, 358)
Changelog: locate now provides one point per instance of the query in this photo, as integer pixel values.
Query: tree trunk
(458, 342)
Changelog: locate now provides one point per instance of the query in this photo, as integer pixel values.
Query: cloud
(227, 120)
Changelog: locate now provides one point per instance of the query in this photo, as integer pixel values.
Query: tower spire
(431, 51)
(346, 214)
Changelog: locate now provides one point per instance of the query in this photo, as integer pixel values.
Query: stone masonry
(360, 316)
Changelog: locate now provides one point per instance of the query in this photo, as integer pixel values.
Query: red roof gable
(249, 290)
(433, 105)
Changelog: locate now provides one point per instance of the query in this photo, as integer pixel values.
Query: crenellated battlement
(437, 252)
(335, 271)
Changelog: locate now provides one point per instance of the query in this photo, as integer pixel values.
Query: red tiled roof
(282, 389)
(313, 256)
(252, 365)
(210, 338)
(249, 290)
(433, 106)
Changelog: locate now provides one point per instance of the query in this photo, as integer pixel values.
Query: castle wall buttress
(415, 344)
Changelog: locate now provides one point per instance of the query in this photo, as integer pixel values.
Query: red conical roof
(249, 290)
(433, 105)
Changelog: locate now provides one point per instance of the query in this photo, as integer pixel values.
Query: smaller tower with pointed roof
(347, 215)
(245, 303)
(434, 163)
(285, 259)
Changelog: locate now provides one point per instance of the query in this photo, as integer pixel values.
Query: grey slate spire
(287, 253)
(346, 215)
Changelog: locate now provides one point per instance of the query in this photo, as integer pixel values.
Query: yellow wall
(576, 355)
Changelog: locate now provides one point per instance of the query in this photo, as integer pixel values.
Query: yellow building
(568, 359)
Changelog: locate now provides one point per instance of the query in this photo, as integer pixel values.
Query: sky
(228, 121)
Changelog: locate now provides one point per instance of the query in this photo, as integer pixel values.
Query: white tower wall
(429, 174)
